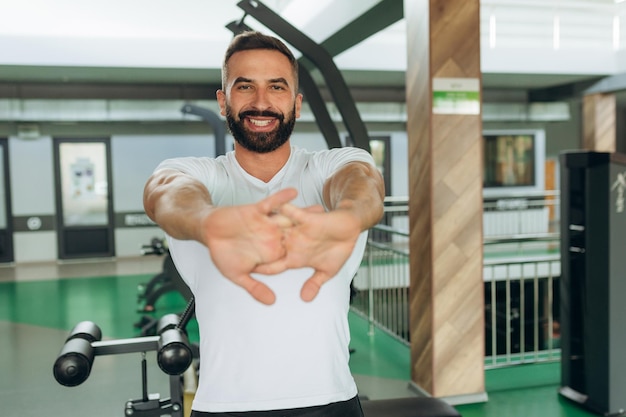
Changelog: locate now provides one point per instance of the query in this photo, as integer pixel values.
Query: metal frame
(214, 121)
(7, 254)
(149, 405)
(61, 228)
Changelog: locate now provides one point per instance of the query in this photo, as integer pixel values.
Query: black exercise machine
(165, 281)
(168, 280)
(174, 356)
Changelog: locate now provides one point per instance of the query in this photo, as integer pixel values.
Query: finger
(281, 221)
(296, 214)
(258, 290)
(274, 202)
(312, 286)
(318, 208)
(272, 268)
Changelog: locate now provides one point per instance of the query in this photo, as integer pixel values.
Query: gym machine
(167, 280)
(593, 243)
(214, 120)
(174, 356)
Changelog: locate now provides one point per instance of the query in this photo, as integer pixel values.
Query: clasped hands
(273, 235)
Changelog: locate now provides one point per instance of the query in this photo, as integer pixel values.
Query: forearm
(359, 188)
(178, 203)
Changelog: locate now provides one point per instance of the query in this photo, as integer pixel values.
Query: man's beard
(260, 142)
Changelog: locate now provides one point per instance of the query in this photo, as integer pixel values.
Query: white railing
(521, 324)
(521, 275)
(382, 283)
(520, 215)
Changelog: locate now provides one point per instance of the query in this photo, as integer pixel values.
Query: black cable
(144, 376)
(187, 314)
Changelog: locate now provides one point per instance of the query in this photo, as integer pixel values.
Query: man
(268, 238)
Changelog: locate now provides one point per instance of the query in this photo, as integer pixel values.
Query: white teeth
(260, 123)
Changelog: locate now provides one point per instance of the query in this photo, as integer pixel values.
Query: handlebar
(156, 247)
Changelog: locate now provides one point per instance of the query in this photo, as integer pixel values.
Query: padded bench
(408, 407)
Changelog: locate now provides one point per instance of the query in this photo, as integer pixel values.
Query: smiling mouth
(260, 123)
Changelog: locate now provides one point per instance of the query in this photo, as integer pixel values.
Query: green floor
(111, 302)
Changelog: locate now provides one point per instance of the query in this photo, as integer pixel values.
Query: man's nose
(261, 100)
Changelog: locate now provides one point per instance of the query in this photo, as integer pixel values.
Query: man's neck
(263, 165)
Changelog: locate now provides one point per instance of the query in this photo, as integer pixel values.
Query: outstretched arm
(325, 240)
(239, 238)
(359, 189)
(178, 203)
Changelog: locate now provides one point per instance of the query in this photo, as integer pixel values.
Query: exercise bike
(174, 357)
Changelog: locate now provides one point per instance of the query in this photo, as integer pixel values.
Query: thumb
(312, 286)
(259, 291)
(272, 268)
(318, 208)
(277, 200)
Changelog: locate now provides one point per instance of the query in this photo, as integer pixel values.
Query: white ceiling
(183, 40)
(72, 32)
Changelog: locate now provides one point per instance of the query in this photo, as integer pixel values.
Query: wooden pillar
(599, 122)
(444, 130)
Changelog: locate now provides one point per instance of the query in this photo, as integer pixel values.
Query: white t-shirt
(287, 355)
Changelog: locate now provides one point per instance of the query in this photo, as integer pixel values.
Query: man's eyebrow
(242, 80)
(279, 80)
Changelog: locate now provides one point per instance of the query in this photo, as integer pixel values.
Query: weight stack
(593, 280)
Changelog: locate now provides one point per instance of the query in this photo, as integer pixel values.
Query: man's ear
(221, 101)
(299, 98)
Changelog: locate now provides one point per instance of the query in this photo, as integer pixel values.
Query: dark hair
(256, 40)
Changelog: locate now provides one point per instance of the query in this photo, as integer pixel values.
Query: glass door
(83, 195)
(6, 231)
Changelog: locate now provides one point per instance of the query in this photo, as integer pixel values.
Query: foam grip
(174, 355)
(73, 365)
(87, 330)
(167, 322)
